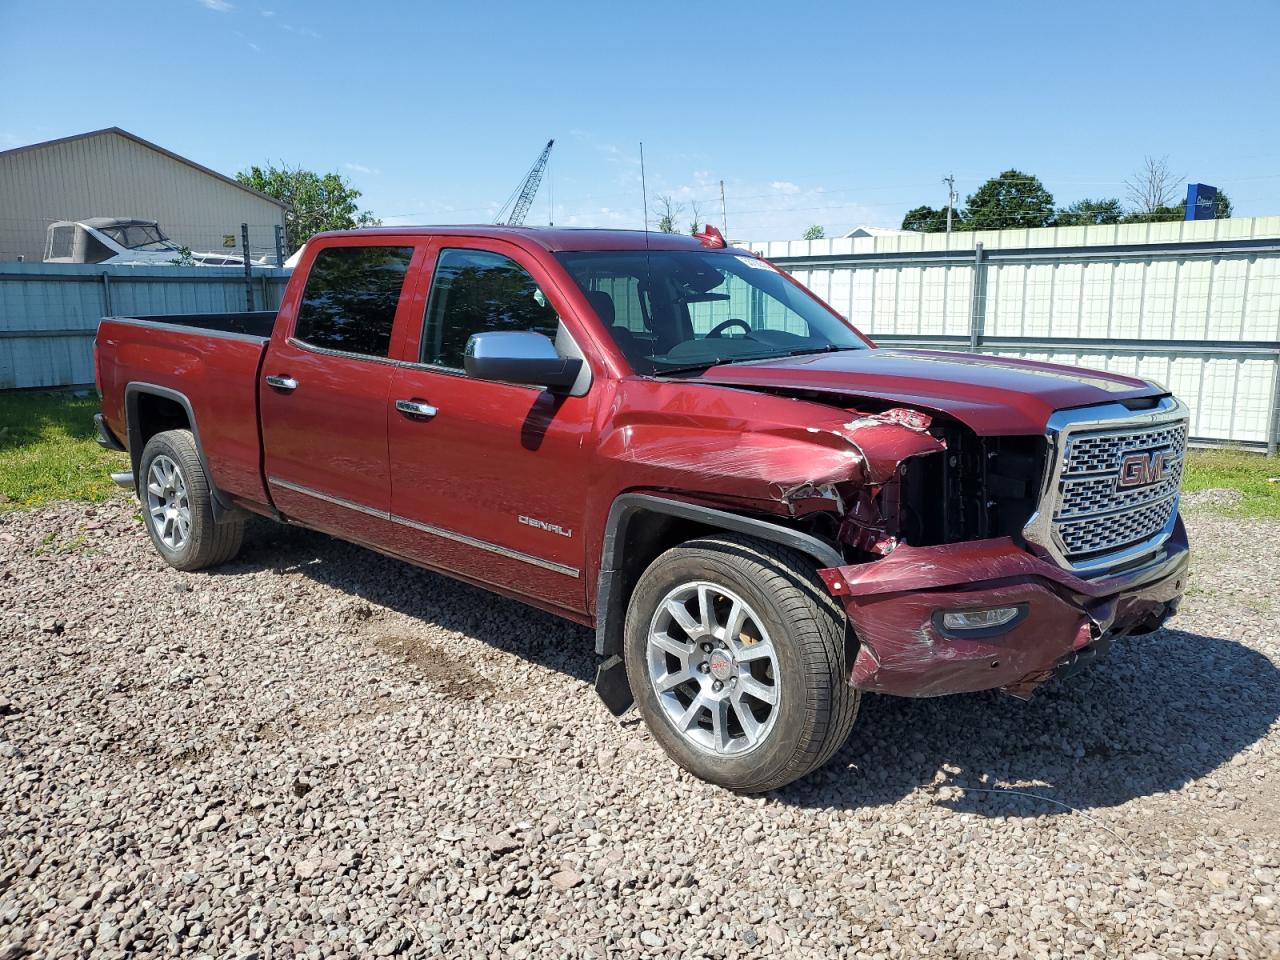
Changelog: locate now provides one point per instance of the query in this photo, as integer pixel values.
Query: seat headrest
(602, 304)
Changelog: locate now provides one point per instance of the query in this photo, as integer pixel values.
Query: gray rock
(565, 880)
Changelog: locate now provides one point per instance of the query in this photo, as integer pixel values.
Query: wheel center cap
(721, 664)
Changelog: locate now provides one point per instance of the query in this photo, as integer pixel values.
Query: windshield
(671, 310)
(139, 236)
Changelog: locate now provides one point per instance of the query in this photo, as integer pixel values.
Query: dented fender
(783, 455)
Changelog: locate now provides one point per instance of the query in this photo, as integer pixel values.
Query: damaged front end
(928, 481)
(947, 591)
(898, 606)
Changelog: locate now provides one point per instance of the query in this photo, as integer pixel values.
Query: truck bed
(208, 362)
(256, 324)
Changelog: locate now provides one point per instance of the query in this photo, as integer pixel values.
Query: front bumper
(892, 603)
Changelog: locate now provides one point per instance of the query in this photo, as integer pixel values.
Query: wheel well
(641, 528)
(645, 541)
(155, 414)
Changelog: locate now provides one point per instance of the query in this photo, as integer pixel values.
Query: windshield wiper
(750, 358)
(825, 348)
(690, 367)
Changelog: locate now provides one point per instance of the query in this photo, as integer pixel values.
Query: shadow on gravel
(438, 600)
(1159, 711)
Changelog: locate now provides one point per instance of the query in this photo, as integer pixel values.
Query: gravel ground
(317, 752)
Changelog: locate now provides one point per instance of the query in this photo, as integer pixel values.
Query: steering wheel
(723, 325)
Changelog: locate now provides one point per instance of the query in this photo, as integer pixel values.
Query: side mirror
(519, 356)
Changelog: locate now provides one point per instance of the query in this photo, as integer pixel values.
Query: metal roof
(151, 146)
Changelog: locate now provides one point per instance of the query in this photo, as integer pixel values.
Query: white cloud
(300, 31)
(359, 168)
(267, 13)
(254, 47)
(217, 6)
(785, 186)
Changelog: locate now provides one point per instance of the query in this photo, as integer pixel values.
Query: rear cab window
(349, 300)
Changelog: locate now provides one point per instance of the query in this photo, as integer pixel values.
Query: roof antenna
(644, 197)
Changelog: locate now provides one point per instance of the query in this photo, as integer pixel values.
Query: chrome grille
(1096, 453)
(1092, 514)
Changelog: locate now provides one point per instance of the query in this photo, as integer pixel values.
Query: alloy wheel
(714, 668)
(168, 502)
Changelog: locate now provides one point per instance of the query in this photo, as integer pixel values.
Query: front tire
(736, 656)
(177, 505)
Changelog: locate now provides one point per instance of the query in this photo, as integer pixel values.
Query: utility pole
(724, 218)
(950, 181)
(248, 270)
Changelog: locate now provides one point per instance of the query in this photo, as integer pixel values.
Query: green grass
(47, 451)
(1236, 470)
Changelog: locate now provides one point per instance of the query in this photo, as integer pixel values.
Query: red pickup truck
(761, 513)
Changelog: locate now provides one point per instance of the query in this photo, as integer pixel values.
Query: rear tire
(736, 656)
(177, 505)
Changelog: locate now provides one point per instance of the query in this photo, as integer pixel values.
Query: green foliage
(1250, 473)
(184, 258)
(815, 232)
(317, 202)
(1010, 201)
(47, 451)
(928, 220)
(1158, 215)
(1087, 213)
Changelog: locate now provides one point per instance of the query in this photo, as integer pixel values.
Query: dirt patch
(442, 668)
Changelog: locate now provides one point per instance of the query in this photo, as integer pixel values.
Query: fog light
(978, 619)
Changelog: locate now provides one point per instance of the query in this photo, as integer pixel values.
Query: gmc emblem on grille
(1141, 469)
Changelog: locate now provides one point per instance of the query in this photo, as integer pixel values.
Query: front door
(326, 386)
(489, 479)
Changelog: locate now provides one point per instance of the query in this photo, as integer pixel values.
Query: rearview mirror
(519, 356)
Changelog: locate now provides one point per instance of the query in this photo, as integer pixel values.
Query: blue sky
(836, 114)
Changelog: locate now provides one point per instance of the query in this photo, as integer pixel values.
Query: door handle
(282, 383)
(415, 408)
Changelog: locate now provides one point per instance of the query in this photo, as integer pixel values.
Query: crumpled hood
(994, 396)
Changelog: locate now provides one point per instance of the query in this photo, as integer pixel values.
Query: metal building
(113, 173)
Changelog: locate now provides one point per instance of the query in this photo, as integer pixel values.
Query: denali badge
(1141, 469)
(543, 525)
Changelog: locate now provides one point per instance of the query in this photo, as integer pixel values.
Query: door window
(349, 301)
(475, 291)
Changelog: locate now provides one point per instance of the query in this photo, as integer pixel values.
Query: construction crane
(522, 196)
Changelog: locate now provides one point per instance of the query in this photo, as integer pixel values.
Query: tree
(815, 232)
(317, 202)
(928, 220)
(1158, 215)
(1012, 200)
(695, 217)
(1153, 187)
(668, 211)
(1088, 213)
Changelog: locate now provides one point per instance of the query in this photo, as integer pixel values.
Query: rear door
(326, 382)
(490, 480)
